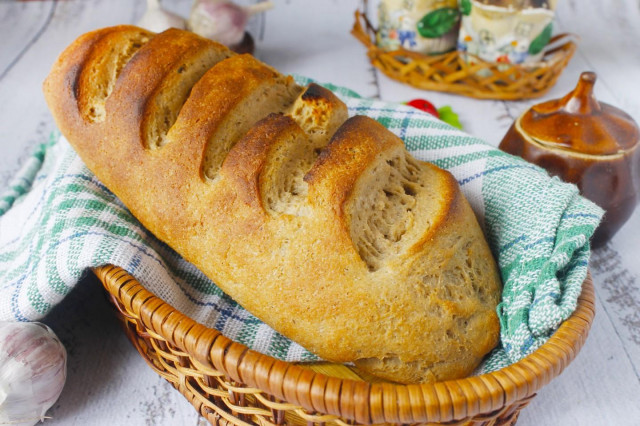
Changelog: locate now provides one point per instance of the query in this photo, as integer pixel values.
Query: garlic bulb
(157, 19)
(222, 20)
(33, 369)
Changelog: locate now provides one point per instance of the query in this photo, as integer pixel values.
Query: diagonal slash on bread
(322, 226)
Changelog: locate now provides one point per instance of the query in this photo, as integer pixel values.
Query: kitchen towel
(57, 220)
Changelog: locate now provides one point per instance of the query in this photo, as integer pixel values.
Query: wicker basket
(449, 72)
(230, 384)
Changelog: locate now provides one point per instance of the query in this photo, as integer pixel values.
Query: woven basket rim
(360, 401)
(533, 79)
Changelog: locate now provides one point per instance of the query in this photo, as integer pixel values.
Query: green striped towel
(57, 220)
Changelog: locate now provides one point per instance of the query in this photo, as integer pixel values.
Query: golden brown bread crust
(355, 250)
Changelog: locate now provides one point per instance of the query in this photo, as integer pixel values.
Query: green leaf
(465, 7)
(439, 22)
(541, 40)
(448, 116)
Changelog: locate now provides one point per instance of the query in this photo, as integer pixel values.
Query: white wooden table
(109, 384)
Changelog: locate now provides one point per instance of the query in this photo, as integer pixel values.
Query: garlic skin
(157, 19)
(33, 369)
(222, 20)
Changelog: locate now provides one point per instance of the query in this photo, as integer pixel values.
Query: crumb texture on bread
(384, 211)
(322, 226)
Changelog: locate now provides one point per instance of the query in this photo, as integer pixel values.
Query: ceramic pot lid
(578, 122)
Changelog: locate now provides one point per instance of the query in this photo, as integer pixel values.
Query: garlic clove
(32, 372)
(157, 19)
(222, 20)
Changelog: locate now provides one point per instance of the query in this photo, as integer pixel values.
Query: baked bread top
(322, 226)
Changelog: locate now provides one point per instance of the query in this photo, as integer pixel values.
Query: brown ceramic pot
(586, 142)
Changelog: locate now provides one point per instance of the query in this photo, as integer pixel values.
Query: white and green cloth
(57, 220)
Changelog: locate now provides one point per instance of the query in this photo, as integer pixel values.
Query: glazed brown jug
(586, 142)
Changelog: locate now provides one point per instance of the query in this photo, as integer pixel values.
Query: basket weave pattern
(450, 72)
(228, 383)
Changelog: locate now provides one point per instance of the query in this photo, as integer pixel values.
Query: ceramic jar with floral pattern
(424, 26)
(505, 31)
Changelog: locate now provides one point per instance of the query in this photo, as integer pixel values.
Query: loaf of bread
(322, 226)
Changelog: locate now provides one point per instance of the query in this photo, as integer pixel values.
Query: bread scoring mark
(174, 90)
(383, 212)
(73, 79)
(337, 144)
(319, 113)
(99, 74)
(275, 154)
(281, 185)
(273, 94)
(248, 161)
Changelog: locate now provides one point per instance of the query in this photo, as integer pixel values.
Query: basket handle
(559, 41)
(366, 36)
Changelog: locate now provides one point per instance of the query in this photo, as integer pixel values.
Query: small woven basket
(228, 383)
(450, 72)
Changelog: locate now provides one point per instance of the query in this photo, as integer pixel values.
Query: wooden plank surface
(33, 20)
(110, 384)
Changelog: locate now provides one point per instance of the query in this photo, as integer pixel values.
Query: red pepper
(425, 106)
